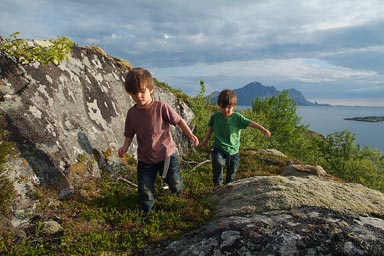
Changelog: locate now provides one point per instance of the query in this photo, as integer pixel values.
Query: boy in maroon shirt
(150, 121)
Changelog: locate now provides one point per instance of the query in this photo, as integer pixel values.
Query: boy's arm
(124, 148)
(206, 137)
(266, 132)
(187, 131)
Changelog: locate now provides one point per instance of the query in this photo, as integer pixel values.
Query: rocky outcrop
(304, 170)
(57, 114)
(291, 215)
(264, 194)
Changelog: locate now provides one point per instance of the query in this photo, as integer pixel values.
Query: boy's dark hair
(227, 98)
(138, 79)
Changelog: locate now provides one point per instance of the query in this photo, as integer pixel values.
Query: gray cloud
(326, 49)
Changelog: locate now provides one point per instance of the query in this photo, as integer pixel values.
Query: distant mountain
(248, 93)
(299, 98)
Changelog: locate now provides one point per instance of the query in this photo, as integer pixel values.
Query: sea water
(328, 119)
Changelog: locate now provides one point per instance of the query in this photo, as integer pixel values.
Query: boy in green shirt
(227, 126)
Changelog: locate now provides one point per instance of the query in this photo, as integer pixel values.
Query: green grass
(103, 216)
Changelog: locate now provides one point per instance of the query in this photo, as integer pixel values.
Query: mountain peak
(249, 92)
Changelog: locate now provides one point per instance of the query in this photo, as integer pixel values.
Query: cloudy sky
(332, 51)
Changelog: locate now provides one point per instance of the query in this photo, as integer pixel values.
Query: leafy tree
(203, 110)
(343, 158)
(278, 114)
(337, 149)
(251, 138)
(359, 170)
(375, 156)
(26, 52)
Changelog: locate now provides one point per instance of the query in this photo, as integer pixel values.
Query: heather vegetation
(102, 216)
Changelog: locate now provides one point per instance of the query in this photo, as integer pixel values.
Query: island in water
(367, 119)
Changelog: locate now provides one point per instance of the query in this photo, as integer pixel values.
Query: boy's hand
(195, 140)
(122, 151)
(204, 144)
(267, 133)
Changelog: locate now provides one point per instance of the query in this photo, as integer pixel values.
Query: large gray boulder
(289, 216)
(57, 114)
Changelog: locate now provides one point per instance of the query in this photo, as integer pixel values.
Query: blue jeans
(219, 159)
(146, 175)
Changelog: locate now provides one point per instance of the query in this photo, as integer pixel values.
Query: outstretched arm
(206, 137)
(187, 131)
(266, 132)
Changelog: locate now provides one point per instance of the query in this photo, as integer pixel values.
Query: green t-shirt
(227, 131)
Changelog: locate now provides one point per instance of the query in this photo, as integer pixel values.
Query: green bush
(345, 159)
(24, 53)
(278, 114)
(203, 109)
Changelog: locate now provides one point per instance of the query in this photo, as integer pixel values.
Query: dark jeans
(146, 175)
(219, 159)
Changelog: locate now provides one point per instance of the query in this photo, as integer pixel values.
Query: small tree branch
(127, 181)
(200, 164)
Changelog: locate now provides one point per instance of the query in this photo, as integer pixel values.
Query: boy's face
(227, 111)
(143, 97)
